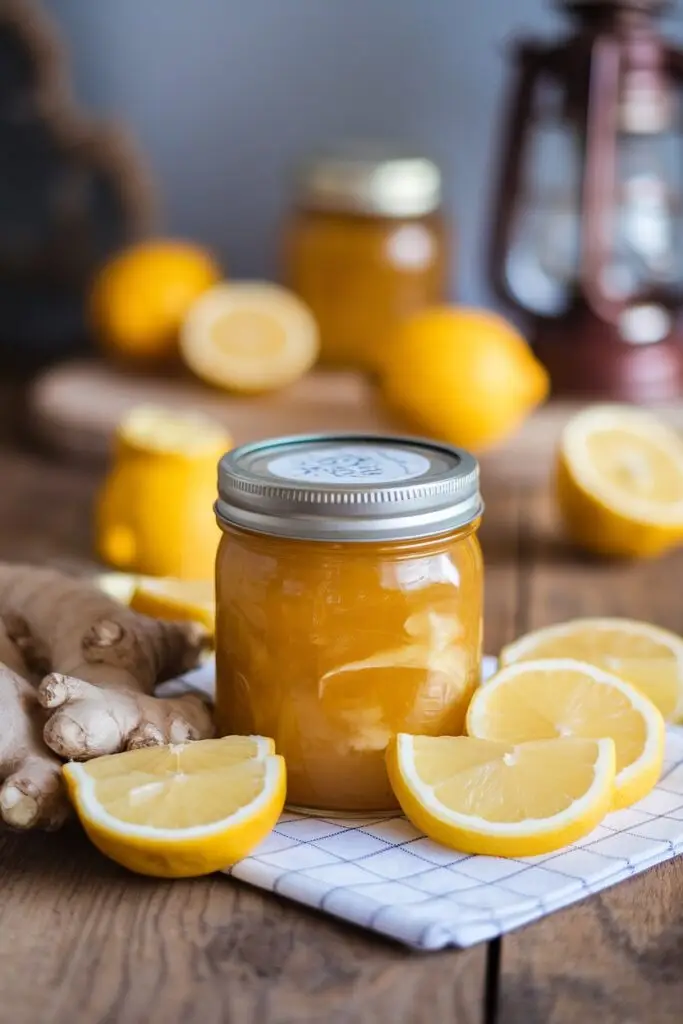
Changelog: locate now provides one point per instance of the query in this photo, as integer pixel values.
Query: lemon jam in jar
(349, 586)
(367, 245)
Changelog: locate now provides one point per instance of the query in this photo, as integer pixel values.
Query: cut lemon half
(620, 482)
(649, 657)
(249, 337)
(151, 428)
(180, 810)
(500, 799)
(180, 600)
(560, 697)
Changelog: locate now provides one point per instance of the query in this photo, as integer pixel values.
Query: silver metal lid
(371, 179)
(348, 487)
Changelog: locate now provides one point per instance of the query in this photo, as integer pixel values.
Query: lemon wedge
(620, 482)
(500, 799)
(560, 697)
(181, 432)
(649, 657)
(180, 810)
(180, 600)
(119, 585)
(249, 337)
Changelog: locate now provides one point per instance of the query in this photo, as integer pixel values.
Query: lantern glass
(543, 251)
(646, 228)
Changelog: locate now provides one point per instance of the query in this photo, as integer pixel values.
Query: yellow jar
(366, 247)
(349, 605)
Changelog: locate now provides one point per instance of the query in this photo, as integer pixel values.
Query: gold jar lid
(370, 179)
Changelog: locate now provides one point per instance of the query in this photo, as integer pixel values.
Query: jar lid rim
(367, 180)
(348, 487)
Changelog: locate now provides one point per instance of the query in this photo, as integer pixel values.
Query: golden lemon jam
(349, 605)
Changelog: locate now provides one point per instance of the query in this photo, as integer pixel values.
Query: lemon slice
(560, 697)
(505, 800)
(649, 657)
(180, 810)
(181, 600)
(620, 481)
(249, 337)
(119, 585)
(152, 428)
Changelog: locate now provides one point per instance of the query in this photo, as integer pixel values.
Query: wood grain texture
(80, 940)
(75, 408)
(500, 539)
(616, 957)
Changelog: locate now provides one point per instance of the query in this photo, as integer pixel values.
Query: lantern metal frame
(614, 60)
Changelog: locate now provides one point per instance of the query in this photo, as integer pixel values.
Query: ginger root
(31, 794)
(91, 721)
(99, 663)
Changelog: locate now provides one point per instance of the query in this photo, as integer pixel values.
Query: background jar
(349, 605)
(366, 246)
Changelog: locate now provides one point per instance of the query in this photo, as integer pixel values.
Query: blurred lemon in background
(163, 597)
(155, 511)
(620, 482)
(249, 337)
(119, 585)
(186, 600)
(140, 297)
(465, 376)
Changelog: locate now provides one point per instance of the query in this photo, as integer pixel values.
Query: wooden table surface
(82, 942)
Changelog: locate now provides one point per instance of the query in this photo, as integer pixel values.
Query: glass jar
(366, 246)
(349, 605)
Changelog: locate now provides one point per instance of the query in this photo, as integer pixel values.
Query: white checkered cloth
(382, 874)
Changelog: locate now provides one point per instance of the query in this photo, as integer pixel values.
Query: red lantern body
(588, 228)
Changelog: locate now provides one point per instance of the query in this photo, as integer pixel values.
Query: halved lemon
(180, 600)
(620, 482)
(501, 799)
(560, 697)
(649, 657)
(250, 336)
(182, 432)
(180, 810)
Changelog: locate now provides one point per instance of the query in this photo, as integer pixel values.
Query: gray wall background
(226, 95)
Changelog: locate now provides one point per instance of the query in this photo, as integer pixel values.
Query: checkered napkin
(383, 874)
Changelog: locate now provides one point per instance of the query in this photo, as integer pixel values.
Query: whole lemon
(465, 376)
(141, 295)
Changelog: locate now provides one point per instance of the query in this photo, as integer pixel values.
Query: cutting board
(74, 409)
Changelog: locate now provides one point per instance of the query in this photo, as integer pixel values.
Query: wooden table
(83, 942)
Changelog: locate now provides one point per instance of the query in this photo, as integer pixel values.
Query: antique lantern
(588, 230)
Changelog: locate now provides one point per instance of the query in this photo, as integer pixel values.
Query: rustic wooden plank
(500, 540)
(75, 408)
(45, 509)
(615, 957)
(82, 940)
(562, 582)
